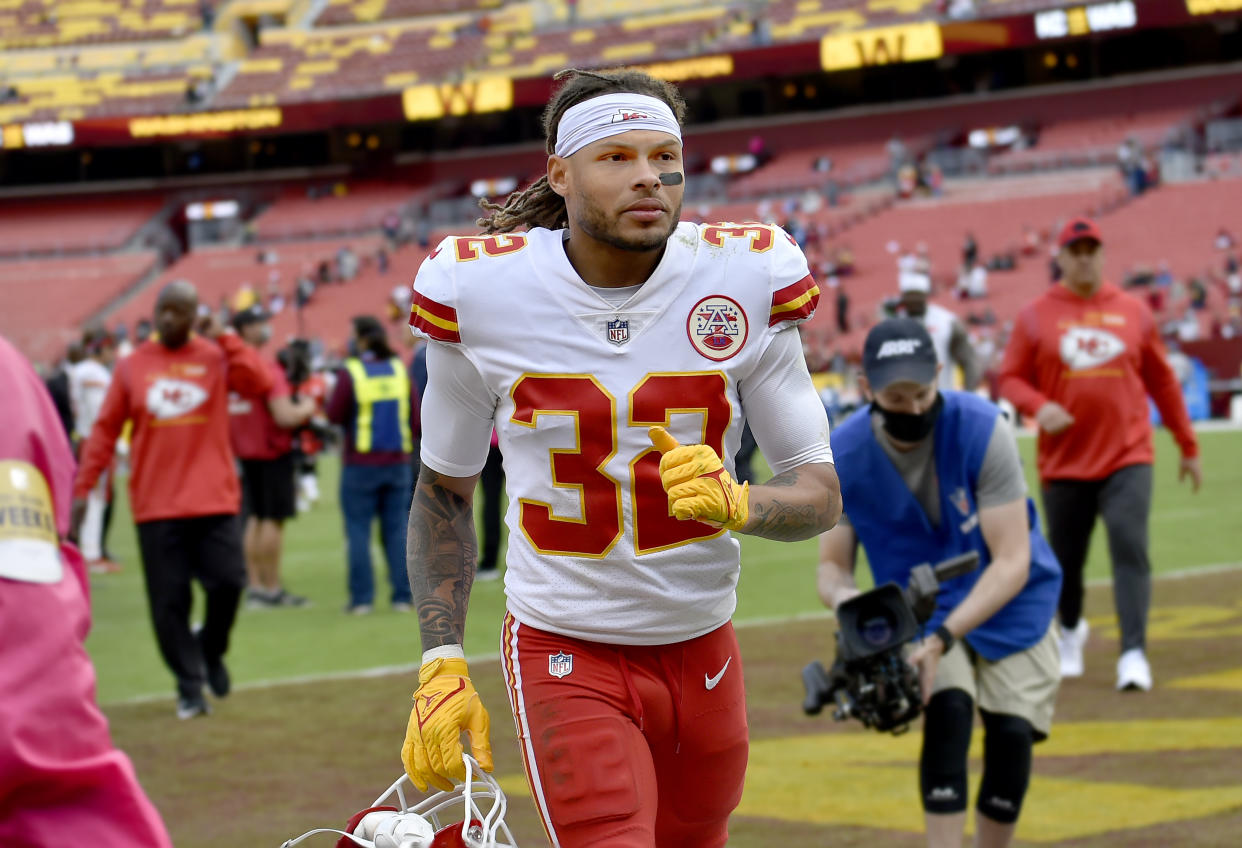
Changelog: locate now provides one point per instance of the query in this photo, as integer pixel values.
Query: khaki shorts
(1023, 684)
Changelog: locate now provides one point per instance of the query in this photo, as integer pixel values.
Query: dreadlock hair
(538, 205)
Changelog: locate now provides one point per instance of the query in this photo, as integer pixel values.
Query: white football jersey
(577, 382)
(88, 385)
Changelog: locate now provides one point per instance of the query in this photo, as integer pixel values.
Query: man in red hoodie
(183, 488)
(61, 778)
(1082, 360)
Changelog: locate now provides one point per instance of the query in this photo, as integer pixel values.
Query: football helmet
(449, 819)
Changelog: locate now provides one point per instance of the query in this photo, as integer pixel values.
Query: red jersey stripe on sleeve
(434, 319)
(794, 302)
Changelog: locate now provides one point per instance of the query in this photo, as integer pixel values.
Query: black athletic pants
(1123, 501)
(207, 548)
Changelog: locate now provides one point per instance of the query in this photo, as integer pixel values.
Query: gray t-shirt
(1000, 477)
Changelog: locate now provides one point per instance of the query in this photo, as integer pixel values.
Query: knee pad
(947, 723)
(1007, 741)
(586, 772)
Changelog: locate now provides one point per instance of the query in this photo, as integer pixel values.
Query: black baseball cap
(898, 350)
(250, 315)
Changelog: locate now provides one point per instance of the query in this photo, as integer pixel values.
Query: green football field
(777, 581)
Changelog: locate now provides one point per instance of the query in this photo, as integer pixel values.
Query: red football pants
(629, 746)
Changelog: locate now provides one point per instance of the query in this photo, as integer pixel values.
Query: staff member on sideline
(183, 487)
(61, 773)
(927, 475)
(88, 385)
(374, 400)
(261, 429)
(1082, 360)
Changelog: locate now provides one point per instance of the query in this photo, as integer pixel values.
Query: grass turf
(777, 581)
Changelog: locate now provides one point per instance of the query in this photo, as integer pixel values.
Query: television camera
(870, 679)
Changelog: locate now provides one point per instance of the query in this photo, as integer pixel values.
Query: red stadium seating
(46, 300)
(358, 207)
(219, 273)
(77, 224)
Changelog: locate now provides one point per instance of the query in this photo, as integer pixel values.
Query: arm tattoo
(440, 558)
(790, 516)
(785, 522)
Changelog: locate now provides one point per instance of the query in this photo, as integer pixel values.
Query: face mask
(352, 348)
(906, 427)
(265, 335)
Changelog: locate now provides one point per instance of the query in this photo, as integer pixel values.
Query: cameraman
(927, 475)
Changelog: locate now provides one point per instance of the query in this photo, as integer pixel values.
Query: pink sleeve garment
(59, 771)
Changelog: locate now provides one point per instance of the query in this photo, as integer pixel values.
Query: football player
(618, 352)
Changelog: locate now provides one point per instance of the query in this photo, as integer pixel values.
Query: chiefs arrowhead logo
(1083, 348)
(168, 398)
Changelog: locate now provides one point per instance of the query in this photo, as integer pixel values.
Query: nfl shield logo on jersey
(560, 664)
(619, 331)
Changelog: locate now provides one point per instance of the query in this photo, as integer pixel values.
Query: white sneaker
(1071, 644)
(1133, 671)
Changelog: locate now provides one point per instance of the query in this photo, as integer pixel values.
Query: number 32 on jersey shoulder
(594, 409)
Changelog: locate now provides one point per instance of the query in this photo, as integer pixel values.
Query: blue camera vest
(897, 534)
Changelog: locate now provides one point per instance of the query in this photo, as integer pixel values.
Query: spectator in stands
(347, 264)
(304, 290)
(898, 155)
(948, 335)
(88, 385)
(62, 774)
(391, 225)
(8, 93)
(374, 401)
(970, 250)
(758, 148)
(381, 260)
(972, 281)
(843, 305)
(1081, 361)
(1233, 277)
(261, 427)
(183, 486)
(245, 298)
(1225, 240)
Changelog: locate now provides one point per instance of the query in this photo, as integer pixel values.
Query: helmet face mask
(471, 815)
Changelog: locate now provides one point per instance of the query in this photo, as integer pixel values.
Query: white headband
(609, 115)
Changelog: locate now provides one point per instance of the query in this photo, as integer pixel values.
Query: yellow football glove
(698, 485)
(445, 704)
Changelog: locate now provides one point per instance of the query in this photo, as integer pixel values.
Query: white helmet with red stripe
(449, 819)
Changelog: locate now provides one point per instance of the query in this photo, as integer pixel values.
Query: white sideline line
(412, 668)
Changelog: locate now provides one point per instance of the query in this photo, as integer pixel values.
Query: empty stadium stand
(349, 208)
(219, 272)
(45, 300)
(72, 225)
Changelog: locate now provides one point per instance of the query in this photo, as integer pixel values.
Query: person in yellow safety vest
(374, 402)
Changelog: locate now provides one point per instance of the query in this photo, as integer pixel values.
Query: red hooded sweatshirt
(1099, 357)
(178, 400)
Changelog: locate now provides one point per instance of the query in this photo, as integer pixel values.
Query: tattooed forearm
(440, 558)
(798, 504)
(784, 522)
